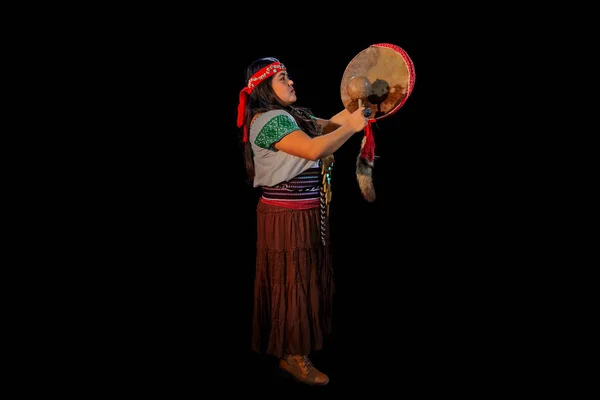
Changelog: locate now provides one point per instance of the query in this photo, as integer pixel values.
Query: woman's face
(282, 86)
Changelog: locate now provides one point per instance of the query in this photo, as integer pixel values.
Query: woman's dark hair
(263, 99)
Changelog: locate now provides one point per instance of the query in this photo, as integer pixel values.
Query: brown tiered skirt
(294, 285)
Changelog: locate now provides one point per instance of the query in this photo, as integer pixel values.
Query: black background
(176, 220)
(147, 229)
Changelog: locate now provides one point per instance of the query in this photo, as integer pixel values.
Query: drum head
(390, 78)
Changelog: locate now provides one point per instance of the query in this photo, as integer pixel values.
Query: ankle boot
(302, 369)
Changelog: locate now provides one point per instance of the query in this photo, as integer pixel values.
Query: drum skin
(391, 74)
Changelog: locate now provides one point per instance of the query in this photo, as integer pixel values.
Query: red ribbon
(368, 150)
(241, 108)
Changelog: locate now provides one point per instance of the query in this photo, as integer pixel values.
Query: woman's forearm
(298, 143)
(340, 118)
(329, 125)
(326, 145)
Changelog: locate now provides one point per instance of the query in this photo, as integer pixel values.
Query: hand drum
(380, 78)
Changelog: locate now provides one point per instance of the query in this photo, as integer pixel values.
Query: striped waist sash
(302, 192)
(302, 188)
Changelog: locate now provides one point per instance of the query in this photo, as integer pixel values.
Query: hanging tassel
(368, 150)
(365, 163)
(364, 174)
(323, 202)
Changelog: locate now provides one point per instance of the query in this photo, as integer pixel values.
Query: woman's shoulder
(269, 115)
(272, 117)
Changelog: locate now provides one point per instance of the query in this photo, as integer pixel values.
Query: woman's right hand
(357, 120)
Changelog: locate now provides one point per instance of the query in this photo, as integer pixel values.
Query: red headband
(254, 80)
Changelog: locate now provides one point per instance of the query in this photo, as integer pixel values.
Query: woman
(288, 155)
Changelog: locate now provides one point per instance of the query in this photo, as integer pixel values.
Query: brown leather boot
(302, 369)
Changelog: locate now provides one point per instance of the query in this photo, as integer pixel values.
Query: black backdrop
(163, 237)
(179, 208)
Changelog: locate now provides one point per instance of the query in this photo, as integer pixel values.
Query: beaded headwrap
(254, 80)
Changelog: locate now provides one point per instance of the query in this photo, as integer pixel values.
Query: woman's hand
(357, 120)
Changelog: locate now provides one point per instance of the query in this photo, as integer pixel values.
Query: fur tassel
(364, 175)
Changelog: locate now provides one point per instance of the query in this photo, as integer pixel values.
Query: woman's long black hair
(263, 99)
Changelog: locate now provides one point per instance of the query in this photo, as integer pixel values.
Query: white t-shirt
(271, 165)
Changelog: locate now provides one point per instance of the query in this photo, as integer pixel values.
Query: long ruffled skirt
(294, 282)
